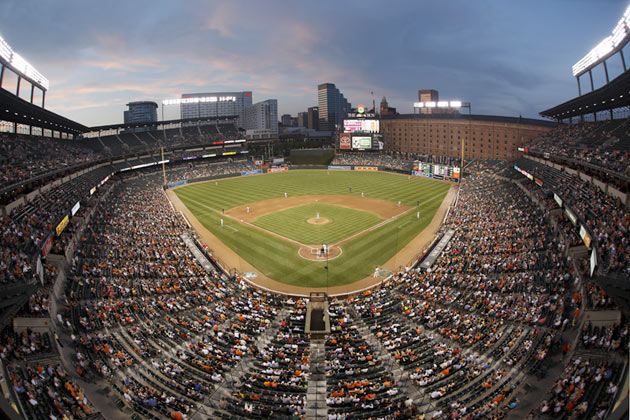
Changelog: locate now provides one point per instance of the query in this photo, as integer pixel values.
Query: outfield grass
(342, 223)
(279, 259)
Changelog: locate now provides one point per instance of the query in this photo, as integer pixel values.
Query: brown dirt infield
(316, 221)
(382, 208)
(231, 259)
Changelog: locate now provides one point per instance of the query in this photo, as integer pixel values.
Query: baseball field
(278, 223)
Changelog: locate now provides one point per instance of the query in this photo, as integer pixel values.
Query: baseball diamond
(266, 230)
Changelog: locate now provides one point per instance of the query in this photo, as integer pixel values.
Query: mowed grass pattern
(342, 223)
(279, 259)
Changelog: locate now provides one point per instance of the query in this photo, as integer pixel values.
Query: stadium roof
(17, 110)
(468, 117)
(156, 123)
(615, 94)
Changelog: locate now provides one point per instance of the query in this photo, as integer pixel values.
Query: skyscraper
(261, 118)
(333, 106)
(313, 118)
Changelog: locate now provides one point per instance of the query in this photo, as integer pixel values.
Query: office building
(261, 120)
(285, 120)
(215, 104)
(333, 106)
(141, 112)
(313, 118)
(302, 119)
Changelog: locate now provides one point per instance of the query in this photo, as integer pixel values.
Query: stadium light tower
(608, 47)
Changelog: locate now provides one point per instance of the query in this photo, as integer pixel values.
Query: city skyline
(506, 59)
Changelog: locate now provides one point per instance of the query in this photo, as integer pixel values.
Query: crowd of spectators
(604, 215)
(584, 391)
(146, 317)
(189, 171)
(24, 157)
(371, 159)
(605, 144)
(461, 327)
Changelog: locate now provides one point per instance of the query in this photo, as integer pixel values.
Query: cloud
(501, 56)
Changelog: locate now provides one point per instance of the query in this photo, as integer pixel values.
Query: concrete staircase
(316, 407)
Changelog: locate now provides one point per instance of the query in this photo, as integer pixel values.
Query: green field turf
(343, 223)
(279, 259)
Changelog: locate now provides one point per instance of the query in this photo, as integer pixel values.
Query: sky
(505, 57)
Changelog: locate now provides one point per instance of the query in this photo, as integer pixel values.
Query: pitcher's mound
(316, 221)
(314, 253)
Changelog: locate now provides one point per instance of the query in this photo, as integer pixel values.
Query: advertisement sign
(344, 141)
(280, 169)
(177, 184)
(368, 126)
(75, 208)
(62, 225)
(593, 261)
(339, 168)
(424, 174)
(366, 168)
(92, 190)
(456, 172)
(585, 236)
(47, 246)
(558, 199)
(572, 217)
(40, 270)
(256, 172)
(361, 142)
(538, 181)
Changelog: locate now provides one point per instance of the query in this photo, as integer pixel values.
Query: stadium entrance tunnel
(319, 252)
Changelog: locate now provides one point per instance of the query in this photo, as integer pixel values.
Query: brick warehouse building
(492, 137)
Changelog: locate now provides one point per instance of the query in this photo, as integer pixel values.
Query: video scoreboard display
(361, 126)
(360, 142)
(435, 170)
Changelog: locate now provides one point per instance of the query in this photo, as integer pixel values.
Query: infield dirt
(382, 208)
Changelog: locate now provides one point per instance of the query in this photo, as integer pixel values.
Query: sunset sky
(505, 57)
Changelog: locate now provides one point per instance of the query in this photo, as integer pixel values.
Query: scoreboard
(360, 142)
(436, 170)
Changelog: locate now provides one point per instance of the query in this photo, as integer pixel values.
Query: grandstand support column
(17, 88)
(43, 98)
(32, 92)
(606, 71)
(623, 60)
(579, 86)
(590, 75)
(1, 74)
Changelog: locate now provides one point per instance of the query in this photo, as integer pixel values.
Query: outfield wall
(366, 168)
